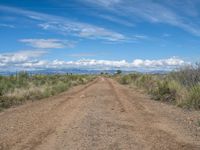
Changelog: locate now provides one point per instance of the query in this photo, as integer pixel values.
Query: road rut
(100, 115)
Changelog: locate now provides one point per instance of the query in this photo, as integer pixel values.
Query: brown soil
(100, 115)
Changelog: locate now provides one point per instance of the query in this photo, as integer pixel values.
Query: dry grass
(181, 87)
(15, 90)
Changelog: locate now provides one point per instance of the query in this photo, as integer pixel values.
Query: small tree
(118, 72)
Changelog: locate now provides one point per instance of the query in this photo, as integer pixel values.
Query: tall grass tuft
(180, 87)
(193, 99)
(16, 89)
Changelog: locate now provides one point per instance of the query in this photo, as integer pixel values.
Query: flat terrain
(100, 115)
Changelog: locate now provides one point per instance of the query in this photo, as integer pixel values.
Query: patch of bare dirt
(100, 115)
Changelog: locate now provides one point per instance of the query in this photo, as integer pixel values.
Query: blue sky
(101, 34)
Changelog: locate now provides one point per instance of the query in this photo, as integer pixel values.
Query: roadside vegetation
(16, 89)
(181, 87)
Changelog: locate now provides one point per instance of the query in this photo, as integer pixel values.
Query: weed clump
(16, 89)
(180, 87)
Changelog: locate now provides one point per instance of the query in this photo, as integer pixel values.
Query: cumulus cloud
(137, 63)
(47, 43)
(170, 62)
(29, 60)
(19, 58)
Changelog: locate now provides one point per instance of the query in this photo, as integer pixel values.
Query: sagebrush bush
(187, 75)
(145, 81)
(180, 87)
(16, 89)
(193, 99)
(125, 79)
(164, 92)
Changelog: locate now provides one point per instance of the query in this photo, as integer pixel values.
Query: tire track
(70, 121)
(37, 140)
(122, 108)
(39, 135)
(76, 92)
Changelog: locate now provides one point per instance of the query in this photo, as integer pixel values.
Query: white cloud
(171, 62)
(19, 58)
(67, 26)
(139, 37)
(163, 64)
(29, 60)
(48, 43)
(156, 12)
(83, 30)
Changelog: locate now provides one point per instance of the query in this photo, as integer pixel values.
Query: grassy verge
(17, 89)
(181, 88)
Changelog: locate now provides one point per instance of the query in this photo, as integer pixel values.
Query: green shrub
(193, 99)
(198, 123)
(144, 81)
(118, 72)
(18, 88)
(46, 92)
(6, 102)
(181, 87)
(163, 92)
(187, 75)
(159, 86)
(125, 79)
(60, 87)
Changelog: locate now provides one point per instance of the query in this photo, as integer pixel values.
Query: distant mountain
(61, 71)
(79, 71)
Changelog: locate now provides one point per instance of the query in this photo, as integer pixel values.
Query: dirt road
(101, 115)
